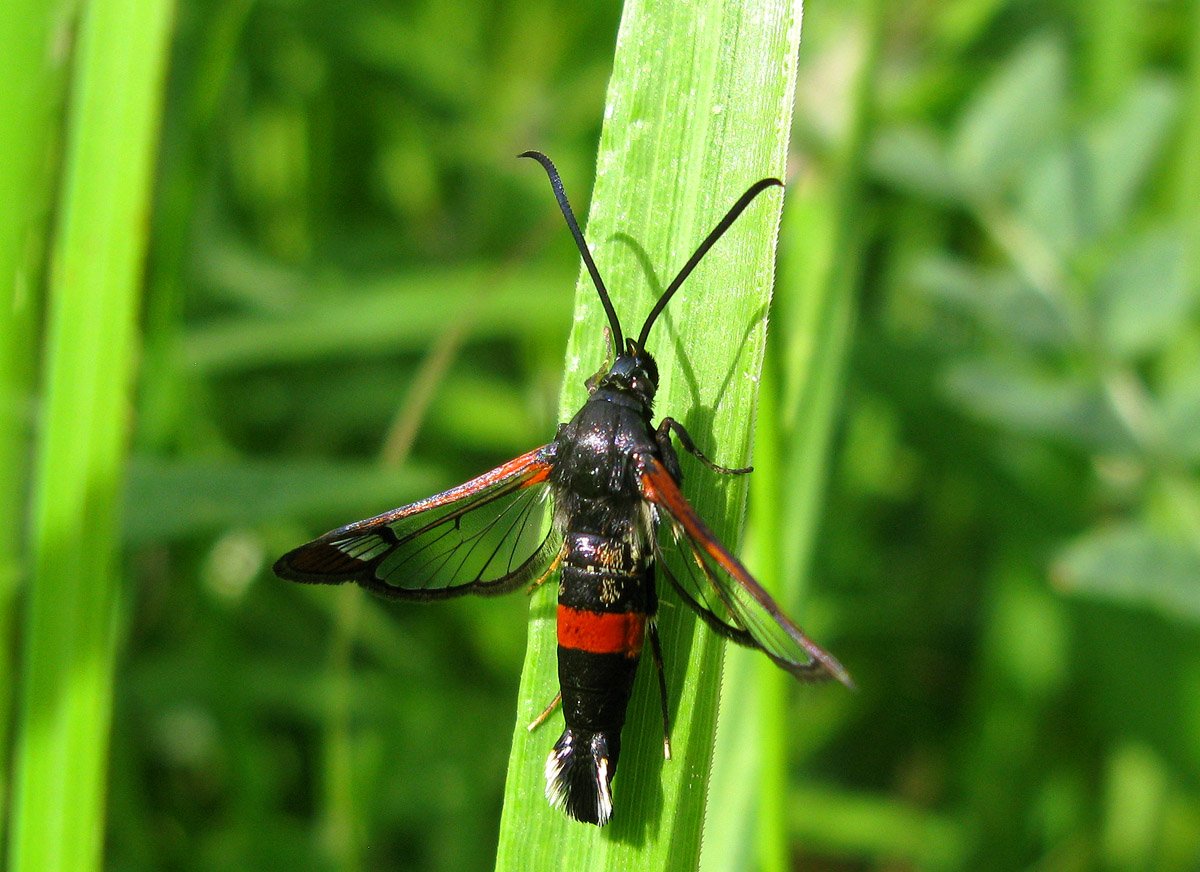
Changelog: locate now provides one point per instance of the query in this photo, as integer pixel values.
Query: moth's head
(633, 372)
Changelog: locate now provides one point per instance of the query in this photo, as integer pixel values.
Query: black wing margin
(484, 537)
(723, 592)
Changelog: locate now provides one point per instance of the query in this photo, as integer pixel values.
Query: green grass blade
(821, 251)
(70, 633)
(819, 325)
(31, 81)
(329, 324)
(699, 107)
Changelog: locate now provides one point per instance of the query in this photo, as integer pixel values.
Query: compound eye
(640, 381)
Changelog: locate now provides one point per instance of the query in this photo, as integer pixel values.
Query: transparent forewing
(486, 536)
(678, 565)
(722, 591)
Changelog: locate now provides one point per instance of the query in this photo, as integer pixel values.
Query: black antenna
(717, 232)
(565, 206)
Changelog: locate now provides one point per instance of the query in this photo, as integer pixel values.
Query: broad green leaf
(1085, 188)
(1134, 565)
(1123, 148)
(1037, 404)
(1180, 400)
(1012, 118)
(1143, 299)
(914, 160)
(1052, 198)
(998, 299)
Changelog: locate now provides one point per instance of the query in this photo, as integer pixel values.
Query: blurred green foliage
(357, 296)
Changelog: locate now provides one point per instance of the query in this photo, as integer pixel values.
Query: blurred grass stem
(71, 625)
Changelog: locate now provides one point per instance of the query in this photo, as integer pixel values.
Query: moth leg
(546, 712)
(656, 653)
(593, 381)
(550, 570)
(663, 435)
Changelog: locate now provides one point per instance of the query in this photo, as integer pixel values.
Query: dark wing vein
(722, 591)
(486, 536)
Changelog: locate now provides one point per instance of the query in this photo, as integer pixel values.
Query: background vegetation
(355, 296)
